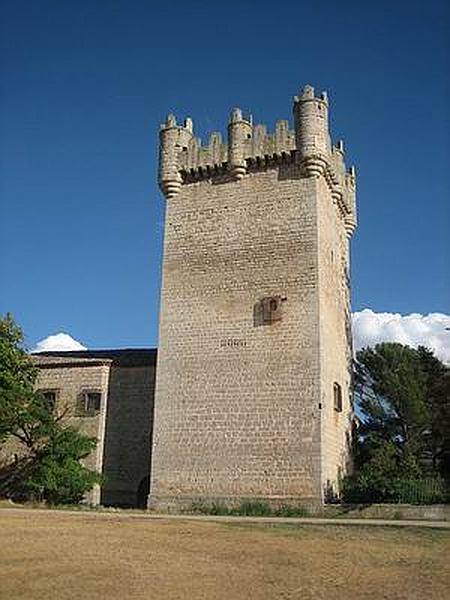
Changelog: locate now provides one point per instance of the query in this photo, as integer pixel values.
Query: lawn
(91, 556)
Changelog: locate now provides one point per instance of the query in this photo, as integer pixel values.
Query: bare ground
(69, 556)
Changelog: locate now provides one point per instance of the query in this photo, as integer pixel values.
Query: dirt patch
(64, 556)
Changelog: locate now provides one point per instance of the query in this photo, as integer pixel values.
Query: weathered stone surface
(245, 408)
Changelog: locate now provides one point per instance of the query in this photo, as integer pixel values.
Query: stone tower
(253, 376)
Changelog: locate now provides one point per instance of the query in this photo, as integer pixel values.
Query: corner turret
(240, 132)
(174, 140)
(311, 130)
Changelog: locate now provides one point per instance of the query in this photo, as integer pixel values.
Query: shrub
(291, 511)
(249, 509)
(254, 509)
(56, 475)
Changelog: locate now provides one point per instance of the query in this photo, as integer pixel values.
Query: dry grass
(89, 556)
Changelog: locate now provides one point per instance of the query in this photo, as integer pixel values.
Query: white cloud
(58, 342)
(432, 331)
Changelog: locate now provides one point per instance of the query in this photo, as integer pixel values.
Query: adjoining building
(107, 394)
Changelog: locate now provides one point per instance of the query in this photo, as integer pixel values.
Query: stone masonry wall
(244, 404)
(237, 404)
(124, 424)
(68, 381)
(335, 340)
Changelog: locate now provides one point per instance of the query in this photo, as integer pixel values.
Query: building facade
(107, 394)
(254, 359)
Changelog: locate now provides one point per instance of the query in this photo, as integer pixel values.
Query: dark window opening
(89, 403)
(268, 310)
(50, 397)
(337, 395)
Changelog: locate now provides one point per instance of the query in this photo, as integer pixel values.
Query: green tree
(437, 377)
(402, 398)
(48, 467)
(17, 377)
(391, 392)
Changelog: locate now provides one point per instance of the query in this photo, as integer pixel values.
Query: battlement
(257, 143)
(184, 160)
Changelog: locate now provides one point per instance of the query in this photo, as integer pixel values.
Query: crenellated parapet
(184, 159)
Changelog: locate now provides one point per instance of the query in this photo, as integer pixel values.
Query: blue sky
(85, 85)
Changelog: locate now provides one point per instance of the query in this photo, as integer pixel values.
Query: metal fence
(400, 491)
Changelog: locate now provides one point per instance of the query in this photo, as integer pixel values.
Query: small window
(337, 395)
(89, 403)
(50, 397)
(268, 310)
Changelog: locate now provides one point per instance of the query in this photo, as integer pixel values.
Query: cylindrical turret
(311, 130)
(173, 139)
(239, 131)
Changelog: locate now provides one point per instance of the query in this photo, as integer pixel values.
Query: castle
(253, 377)
(250, 395)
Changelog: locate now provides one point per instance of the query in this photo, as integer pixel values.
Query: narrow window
(337, 395)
